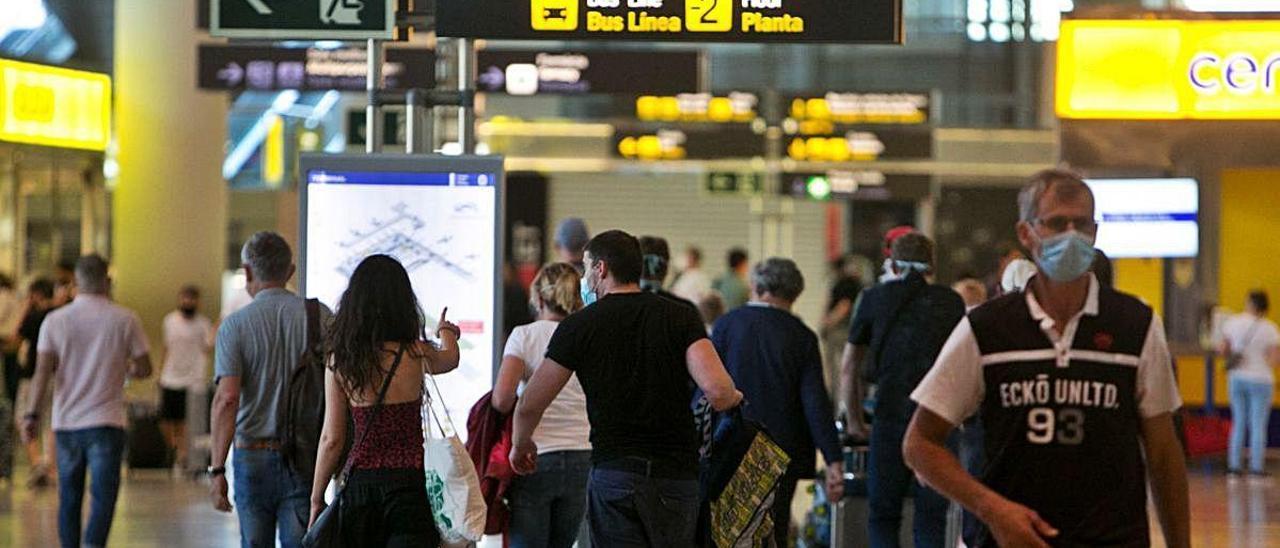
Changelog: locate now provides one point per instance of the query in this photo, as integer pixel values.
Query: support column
(169, 206)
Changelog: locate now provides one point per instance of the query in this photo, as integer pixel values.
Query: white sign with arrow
(303, 19)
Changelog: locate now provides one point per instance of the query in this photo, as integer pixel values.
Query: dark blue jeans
(269, 494)
(99, 450)
(888, 481)
(631, 510)
(547, 506)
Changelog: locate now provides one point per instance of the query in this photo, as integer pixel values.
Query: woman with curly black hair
(377, 354)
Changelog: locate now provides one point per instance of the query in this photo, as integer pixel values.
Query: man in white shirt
(188, 339)
(87, 349)
(1076, 391)
(693, 284)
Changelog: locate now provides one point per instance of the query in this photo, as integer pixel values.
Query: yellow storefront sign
(52, 106)
(1169, 70)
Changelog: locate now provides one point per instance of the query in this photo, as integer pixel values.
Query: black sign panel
(303, 19)
(689, 142)
(862, 185)
(345, 69)
(525, 72)
(861, 108)
(862, 144)
(723, 183)
(735, 21)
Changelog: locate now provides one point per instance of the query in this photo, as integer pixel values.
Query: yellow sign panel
(709, 15)
(559, 15)
(56, 107)
(1169, 70)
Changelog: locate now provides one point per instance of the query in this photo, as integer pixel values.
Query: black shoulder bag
(326, 532)
(1237, 358)
(872, 370)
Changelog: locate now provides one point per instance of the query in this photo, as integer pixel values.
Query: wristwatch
(216, 470)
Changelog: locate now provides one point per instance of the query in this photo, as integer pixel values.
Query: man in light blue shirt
(257, 349)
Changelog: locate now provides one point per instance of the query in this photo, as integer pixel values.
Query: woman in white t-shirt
(1254, 341)
(547, 507)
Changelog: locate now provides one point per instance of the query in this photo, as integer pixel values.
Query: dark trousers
(782, 507)
(99, 451)
(12, 376)
(630, 510)
(888, 482)
(547, 506)
(387, 508)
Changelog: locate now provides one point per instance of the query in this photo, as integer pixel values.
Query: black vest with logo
(1064, 440)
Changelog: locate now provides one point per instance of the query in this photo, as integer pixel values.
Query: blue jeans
(888, 480)
(630, 510)
(269, 494)
(1250, 412)
(547, 506)
(100, 450)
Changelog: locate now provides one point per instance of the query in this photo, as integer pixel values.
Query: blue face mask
(1067, 256)
(588, 295)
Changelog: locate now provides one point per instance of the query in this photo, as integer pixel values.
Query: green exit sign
(734, 184)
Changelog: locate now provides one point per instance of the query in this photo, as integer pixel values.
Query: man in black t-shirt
(635, 354)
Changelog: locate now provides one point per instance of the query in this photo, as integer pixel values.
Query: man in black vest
(1074, 387)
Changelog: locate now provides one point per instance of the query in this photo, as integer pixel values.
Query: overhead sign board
(538, 72)
(861, 108)
(51, 106)
(862, 145)
(303, 19)
(729, 183)
(689, 142)
(265, 68)
(735, 21)
(441, 217)
(1169, 70)
(862, 185)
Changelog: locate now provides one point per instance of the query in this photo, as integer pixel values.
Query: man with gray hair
(258, 347)
(897, 331)
(87, 349)
(774, 359)
(1076, 393)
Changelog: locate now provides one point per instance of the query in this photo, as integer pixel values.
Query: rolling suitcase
(146, 447)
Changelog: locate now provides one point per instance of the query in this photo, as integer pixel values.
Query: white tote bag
(453, 487)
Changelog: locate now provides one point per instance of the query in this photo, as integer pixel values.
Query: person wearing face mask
(637, 357)
(896, 333)
(1076, 392)
(188, 339)
(657, 261)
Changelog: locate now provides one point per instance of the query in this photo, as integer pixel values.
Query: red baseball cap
(892, 235)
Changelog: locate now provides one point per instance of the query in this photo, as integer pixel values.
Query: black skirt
(387, 508)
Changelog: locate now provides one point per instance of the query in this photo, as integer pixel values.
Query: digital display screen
(440, 221)
(1147, 218)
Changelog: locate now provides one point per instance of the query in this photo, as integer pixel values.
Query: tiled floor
(155, 510)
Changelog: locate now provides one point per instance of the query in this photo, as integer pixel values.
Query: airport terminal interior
(812, 156)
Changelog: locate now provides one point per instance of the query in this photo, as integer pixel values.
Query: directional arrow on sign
(233, 74)
(259, 7)
(493, 78)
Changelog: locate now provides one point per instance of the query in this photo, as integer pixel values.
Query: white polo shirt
(94, 340)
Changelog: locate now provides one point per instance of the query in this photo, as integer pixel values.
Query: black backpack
(304, 403)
